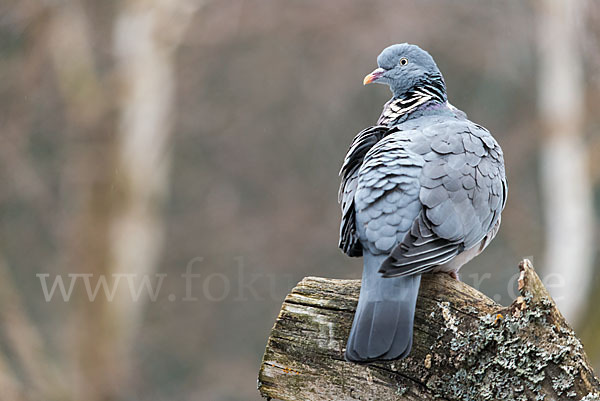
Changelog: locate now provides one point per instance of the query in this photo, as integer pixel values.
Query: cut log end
(466, 347)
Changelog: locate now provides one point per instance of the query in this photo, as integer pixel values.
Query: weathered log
(466, 347)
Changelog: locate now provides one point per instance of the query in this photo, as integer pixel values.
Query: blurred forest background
(157, 138)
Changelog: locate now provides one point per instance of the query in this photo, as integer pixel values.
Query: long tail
(383, 323)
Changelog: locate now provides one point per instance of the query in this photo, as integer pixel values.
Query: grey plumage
(421, 192)
(365, 140)
(384, 314)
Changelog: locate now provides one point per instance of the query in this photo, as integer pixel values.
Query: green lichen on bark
(497, 356)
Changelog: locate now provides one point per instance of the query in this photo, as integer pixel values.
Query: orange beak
(372, 77)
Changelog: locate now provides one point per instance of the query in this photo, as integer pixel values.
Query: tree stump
(466, 347)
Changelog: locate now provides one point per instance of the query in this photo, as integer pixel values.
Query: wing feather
(362, 143)
(460, 206)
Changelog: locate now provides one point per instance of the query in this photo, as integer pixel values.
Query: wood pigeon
(422, 191)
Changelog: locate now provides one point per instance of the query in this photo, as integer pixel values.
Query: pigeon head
(405, 67)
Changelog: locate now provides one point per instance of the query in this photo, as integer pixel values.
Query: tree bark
(466, 347)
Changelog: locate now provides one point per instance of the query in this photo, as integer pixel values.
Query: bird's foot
(454, 275)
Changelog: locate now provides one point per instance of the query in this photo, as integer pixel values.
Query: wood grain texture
(466, 347)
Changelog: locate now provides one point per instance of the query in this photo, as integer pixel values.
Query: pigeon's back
(421, 192)
(441, 176)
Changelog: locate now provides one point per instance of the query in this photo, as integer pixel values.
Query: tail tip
(353, 355)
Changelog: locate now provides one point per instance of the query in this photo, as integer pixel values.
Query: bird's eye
(403, 61)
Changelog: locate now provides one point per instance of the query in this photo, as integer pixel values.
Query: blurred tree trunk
(566, 189)
(87, 181)
(146, 35)
(123, 168)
